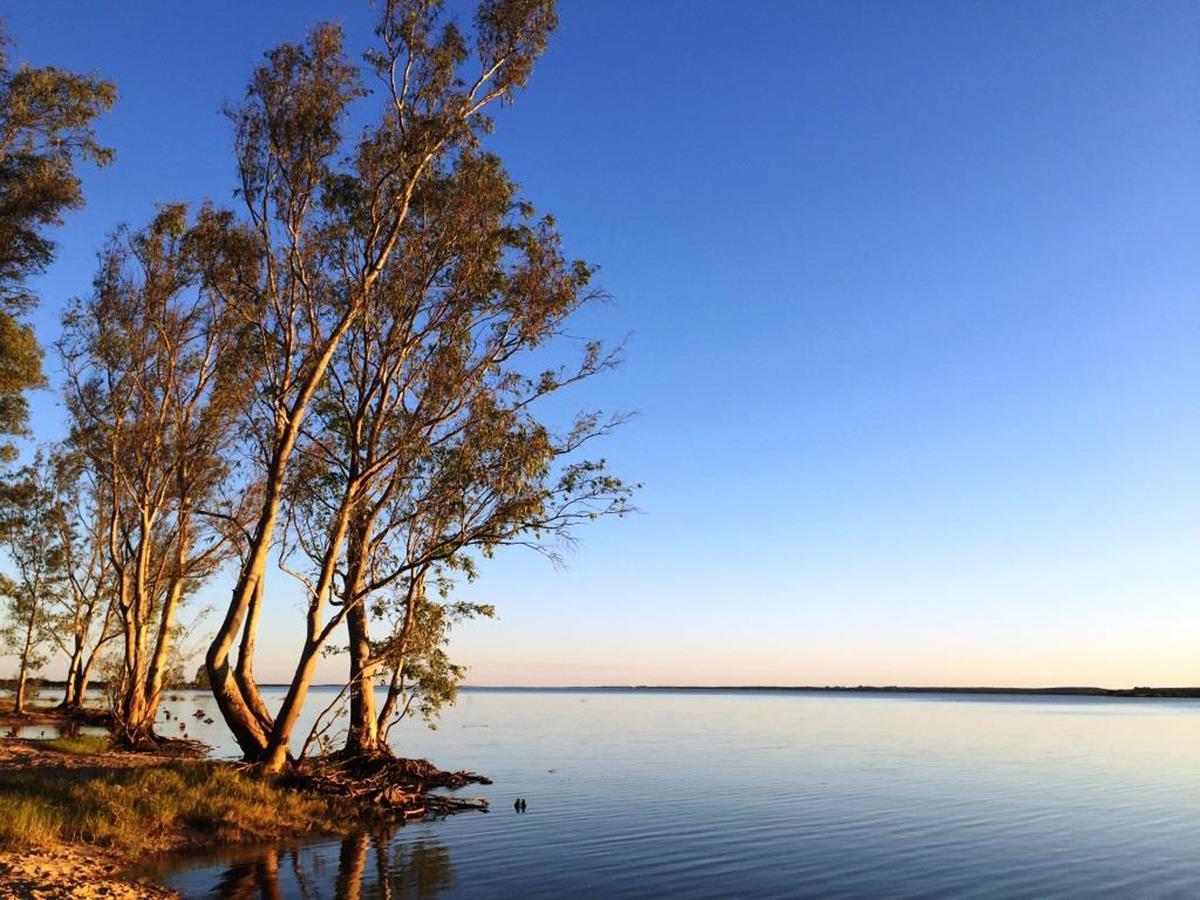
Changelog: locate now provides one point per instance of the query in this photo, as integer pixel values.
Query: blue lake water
(729, 794)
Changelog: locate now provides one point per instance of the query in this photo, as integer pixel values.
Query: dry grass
(81, 744)
(155, 808)
(25, 821)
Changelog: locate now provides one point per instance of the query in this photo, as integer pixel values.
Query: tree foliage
(46, 130)
(83, 621)
(154, 385)
(355, 375)
(325, 234)
(31, 538)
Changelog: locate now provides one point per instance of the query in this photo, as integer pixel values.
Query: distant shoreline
(1161, 692)
(1166, 692)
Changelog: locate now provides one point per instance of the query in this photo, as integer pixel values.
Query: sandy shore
(70, 871)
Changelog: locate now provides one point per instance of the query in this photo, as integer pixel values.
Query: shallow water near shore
(48, 732)
(718, 794)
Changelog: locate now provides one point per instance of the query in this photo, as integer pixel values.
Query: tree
(46, 117)
(422, 444)
(324, 220)
(87, 600)
(28, 533)
(154, 382)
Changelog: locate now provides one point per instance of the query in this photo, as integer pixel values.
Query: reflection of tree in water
(369, 865)
(251, 878)
(420, 869)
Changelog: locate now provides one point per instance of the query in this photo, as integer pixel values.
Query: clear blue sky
(913, 290)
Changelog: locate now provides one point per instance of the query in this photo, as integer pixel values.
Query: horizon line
(1137, 690)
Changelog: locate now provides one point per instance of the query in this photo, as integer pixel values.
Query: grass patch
(80, 744)
(156, 808)
(26, 821)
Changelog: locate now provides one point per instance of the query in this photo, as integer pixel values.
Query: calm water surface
(768, 795)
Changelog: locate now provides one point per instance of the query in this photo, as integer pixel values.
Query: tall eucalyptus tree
(324, 217)
(424, 446)
(155, 382)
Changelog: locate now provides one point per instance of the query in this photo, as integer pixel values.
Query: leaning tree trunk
(231, 700)
(244, 672)
(239, 713)
(275, 757)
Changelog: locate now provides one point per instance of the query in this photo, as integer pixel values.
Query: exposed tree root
(401, 787)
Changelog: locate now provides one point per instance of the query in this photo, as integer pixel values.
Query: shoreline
(52, 848)
(77, 818)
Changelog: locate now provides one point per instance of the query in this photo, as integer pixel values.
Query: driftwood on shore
(403, 787)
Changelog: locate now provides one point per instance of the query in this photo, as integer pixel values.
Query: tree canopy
(46, 129)
(345, 375)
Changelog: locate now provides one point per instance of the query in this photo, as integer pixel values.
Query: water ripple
(727, 795)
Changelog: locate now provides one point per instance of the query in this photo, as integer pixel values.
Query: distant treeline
(59, 684)
(1185, 692)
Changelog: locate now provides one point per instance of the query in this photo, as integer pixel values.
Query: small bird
(517, 804)
(522, 804)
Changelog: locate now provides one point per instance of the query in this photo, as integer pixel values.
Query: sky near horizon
(912, 295)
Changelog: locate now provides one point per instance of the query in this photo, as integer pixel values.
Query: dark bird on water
(517, 804)
(522, 804)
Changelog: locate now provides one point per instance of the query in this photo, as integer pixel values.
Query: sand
(69, 871)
